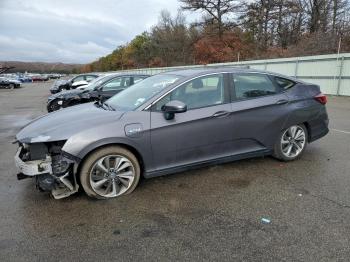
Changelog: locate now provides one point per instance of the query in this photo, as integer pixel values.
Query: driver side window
(197, 93)
(78, 78)
(117, 83)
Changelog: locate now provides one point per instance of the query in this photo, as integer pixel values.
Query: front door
(201, 133)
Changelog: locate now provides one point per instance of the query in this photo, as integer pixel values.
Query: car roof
(111, 75)
(193, 72)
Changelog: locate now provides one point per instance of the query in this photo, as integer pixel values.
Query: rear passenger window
(284, 83)
(253, 85)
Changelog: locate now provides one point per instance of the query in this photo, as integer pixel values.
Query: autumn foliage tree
(231, 47)
(232, 30)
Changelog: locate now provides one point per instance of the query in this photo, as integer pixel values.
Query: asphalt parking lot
(210, 214)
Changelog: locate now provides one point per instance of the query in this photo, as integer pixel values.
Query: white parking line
(341, 131)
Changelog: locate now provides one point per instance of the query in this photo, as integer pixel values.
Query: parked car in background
(4, 82)
(100, 88)
(39, 77)
(9, 83)
(83, 79)
(54, 76)
(24, 78)
(168, 123)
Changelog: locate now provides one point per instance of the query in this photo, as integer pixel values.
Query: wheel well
(307, 125)
(128, 147)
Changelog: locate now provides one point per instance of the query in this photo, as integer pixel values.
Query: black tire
(11, 86)
(91, 160)
(53, 106)
(278, 151)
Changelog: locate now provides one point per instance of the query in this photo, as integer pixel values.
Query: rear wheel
(291, 143)
(110, 172)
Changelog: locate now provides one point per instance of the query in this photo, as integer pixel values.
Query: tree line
(234, 30)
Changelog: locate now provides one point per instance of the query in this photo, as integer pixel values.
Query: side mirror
(173, 107)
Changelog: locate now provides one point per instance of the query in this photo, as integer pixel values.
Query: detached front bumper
(33, 168)
(54, 174)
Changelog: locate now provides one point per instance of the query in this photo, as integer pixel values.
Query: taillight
(321, 98)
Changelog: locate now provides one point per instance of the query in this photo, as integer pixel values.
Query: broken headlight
(60, 164)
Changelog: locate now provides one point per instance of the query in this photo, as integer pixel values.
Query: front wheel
(110, 172)
(54, 106)
(291, 143)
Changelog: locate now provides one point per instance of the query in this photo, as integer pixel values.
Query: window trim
(233, 88)
(225, 78)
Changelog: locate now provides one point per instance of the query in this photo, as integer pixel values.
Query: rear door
(201, 133)
(259, 110)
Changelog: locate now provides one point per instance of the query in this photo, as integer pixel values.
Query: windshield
(136, 95)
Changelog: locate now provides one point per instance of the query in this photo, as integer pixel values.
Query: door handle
(221, 114)
(282, 102)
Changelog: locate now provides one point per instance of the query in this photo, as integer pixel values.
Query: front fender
(104, 142)
(82, 143)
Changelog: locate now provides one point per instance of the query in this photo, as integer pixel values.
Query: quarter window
(200, 92)
(252, 85)
(284, 83)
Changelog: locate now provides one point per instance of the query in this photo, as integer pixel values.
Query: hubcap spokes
(293, 141)
(112, 175)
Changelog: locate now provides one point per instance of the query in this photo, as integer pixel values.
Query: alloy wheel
(293, 141)
(112, 176)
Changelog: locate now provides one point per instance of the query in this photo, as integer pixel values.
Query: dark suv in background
(100, 88)
(60, 85)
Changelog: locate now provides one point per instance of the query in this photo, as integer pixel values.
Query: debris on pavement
(266, 220)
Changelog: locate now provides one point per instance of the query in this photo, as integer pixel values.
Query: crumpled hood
(65, 94)
(62, 124)
(58, 83)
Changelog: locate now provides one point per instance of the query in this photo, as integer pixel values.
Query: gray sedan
(168, 123)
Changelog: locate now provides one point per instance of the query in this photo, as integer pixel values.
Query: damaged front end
(53, 169)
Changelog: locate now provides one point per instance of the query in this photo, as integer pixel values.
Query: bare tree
(216, 9)
(171, 39)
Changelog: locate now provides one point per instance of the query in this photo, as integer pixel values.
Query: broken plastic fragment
(265, 220)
